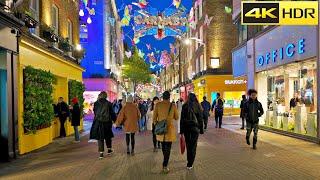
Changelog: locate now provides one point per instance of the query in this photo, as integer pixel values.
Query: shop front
(286, 80)
(9, 28)
(93, 88)
(230, 89)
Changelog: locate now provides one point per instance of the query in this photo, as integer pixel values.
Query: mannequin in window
(294, 101)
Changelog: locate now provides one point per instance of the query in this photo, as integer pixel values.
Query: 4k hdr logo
(279, 13)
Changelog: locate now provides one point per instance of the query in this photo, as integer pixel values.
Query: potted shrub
(48, 33)
(64, 45)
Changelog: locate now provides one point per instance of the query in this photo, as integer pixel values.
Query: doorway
(4, 118)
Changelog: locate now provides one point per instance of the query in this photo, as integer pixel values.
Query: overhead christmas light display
(170, 22)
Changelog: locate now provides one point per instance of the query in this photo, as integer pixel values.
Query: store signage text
(290, 50)
(240, 81)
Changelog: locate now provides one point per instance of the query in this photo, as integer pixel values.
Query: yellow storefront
(31, 55)
(231, 90)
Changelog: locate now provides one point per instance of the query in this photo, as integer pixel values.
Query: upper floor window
(70, 32)
(34, 12)
(200, 10)
(55, 19)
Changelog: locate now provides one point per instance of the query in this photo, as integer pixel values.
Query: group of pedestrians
(193, 117)
(63, 111)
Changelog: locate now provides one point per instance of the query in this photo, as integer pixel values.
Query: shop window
(291, 101)
(70, 32)
(233, 99)
(55, 19)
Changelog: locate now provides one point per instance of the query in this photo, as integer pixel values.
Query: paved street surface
(222, 154)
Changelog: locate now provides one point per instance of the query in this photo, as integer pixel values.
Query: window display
(291, 102)
(233, 99)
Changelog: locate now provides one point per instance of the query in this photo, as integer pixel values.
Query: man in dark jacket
(252, 110)
(104, 117)
(217, 107)
(206, 111)
(63, 113)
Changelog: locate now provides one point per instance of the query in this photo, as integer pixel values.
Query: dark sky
(160, 5)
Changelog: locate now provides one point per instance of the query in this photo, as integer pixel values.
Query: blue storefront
(286, 77)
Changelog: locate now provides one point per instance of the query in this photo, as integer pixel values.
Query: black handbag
(161, 127)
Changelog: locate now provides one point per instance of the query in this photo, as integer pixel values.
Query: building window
(70, 32)
(34, 12)
(242, 33)
(55, 19)
(214, 62)
(200, 10)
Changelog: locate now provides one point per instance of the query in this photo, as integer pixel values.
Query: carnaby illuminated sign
(287, 51)
(240, 81)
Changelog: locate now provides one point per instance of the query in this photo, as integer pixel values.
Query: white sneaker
(189, 168)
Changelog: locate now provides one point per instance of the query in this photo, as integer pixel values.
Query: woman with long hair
(129, 117)
(191, 125)
(156, 144)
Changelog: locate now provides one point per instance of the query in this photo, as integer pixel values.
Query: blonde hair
(130, 99)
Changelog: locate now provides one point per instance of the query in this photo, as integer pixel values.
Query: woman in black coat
(75, 118)
(191, 124)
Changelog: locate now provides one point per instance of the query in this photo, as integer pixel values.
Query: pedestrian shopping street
(222, 154)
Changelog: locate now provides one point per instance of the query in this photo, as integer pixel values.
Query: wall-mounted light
(78, 47)
(214, 62)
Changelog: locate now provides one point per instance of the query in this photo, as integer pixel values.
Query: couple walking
(191, 124)
(105, 117)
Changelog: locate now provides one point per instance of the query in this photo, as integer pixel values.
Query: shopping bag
(182, 144)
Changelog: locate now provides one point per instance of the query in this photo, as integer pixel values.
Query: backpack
(219, 105)
(102, 113)
(191, 119)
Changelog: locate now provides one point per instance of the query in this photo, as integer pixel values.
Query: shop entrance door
(4, 119)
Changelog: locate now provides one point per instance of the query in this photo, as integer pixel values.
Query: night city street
(150, 89)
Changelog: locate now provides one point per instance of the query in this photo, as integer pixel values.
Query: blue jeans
(76, 133)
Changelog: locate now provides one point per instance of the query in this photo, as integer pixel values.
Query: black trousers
(243, 119)
(101, 144)
(154, 138)
(252, 127)
(130, 138)
(205, 121)
(218, 118)
(166, 150)
(62, 129)
(191, 144)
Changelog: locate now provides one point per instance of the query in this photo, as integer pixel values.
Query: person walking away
(116, 107)
(63, 114)
(143, 113)
(166, 111)
(217, 107)
(206, 111)
(104, 117)
(243, 101)
(75, 118)
(156, 144)
(179, 106)
(191, 126)
(129, 117)
(252, 110)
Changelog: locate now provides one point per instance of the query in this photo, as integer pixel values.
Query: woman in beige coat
(161, 112)
(129, 117)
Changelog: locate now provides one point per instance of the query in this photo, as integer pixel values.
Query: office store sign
(285, 44)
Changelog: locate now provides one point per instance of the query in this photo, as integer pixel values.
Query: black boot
(248, 140)
(254, 144)
(128, 150)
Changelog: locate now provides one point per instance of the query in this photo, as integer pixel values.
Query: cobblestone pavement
(222, 154)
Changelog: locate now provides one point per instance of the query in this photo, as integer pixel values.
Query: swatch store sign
(285, 44)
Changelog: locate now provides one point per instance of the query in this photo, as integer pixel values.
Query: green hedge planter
(76, 89)
(38, 88)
